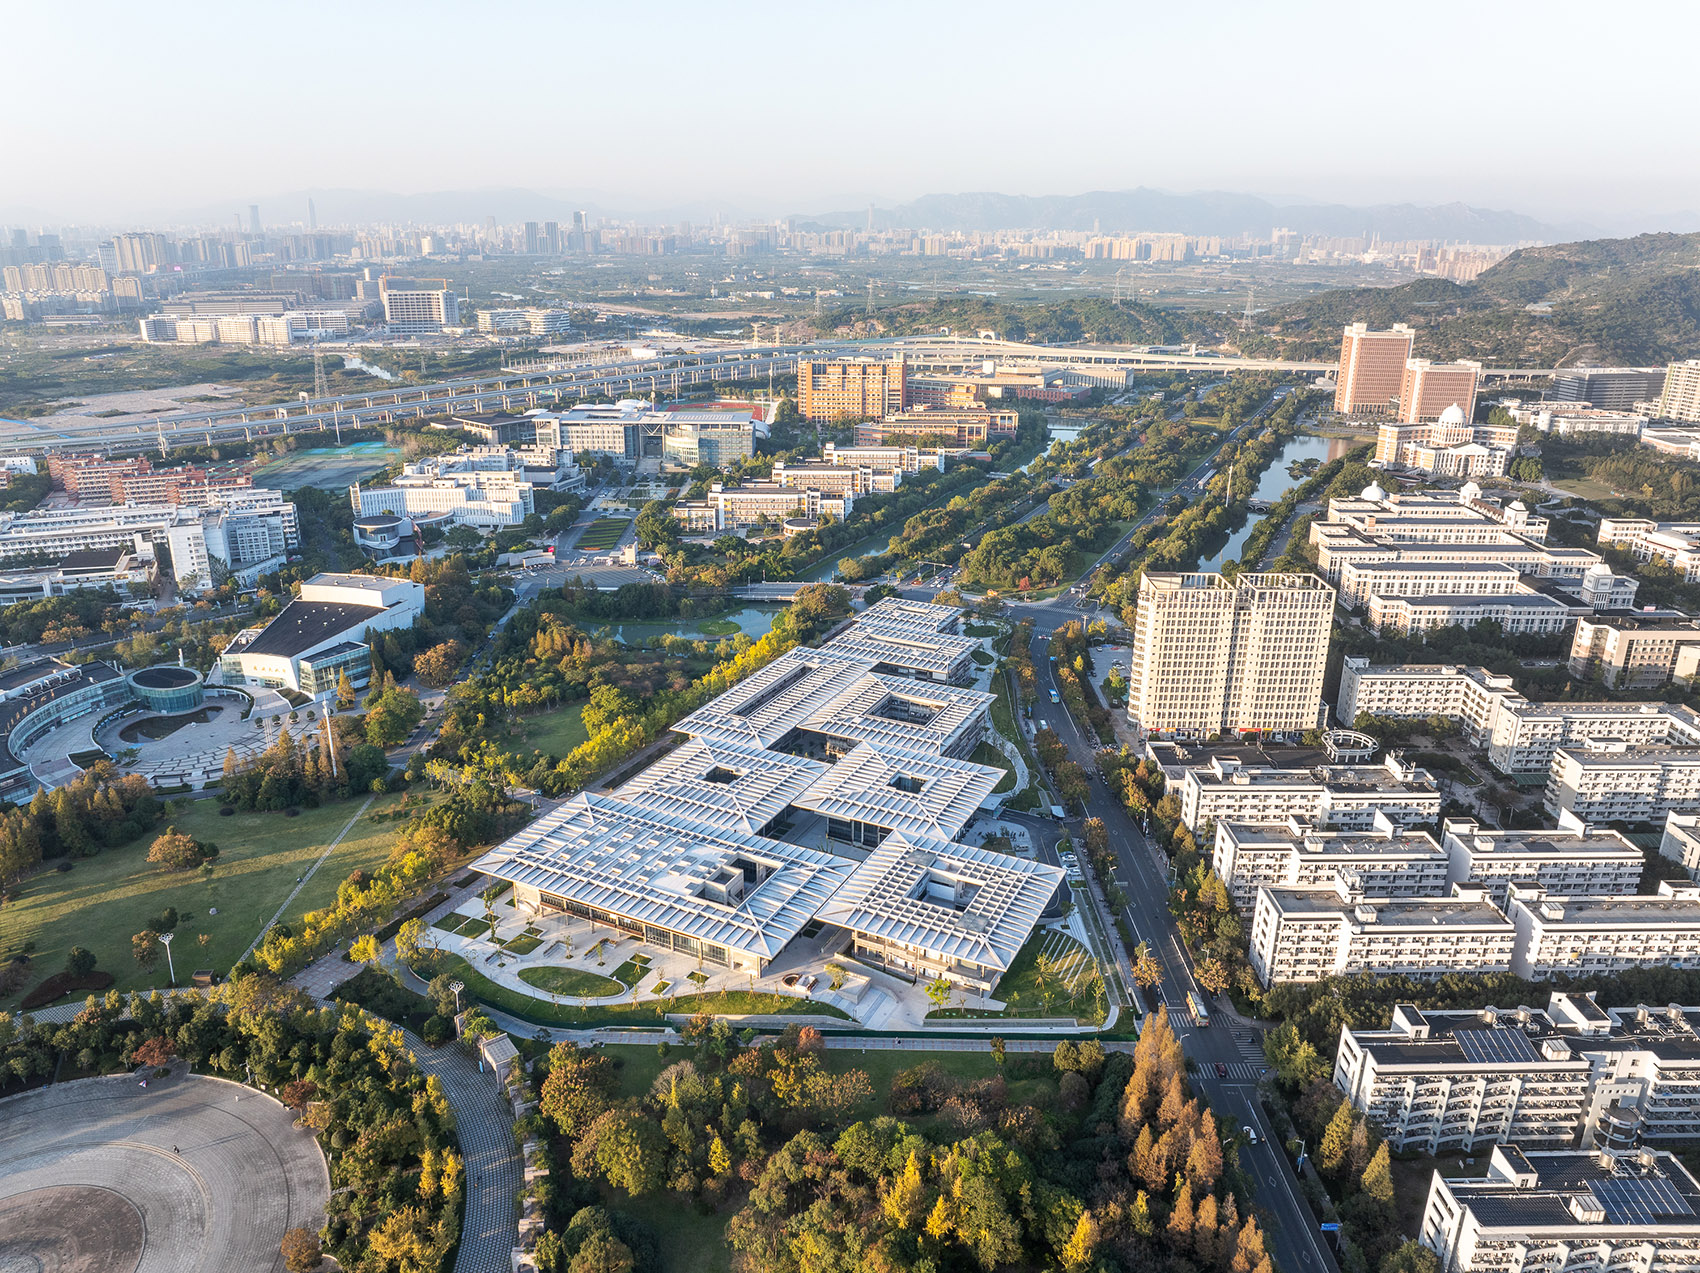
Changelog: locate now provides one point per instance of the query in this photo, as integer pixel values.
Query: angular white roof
(872, 785)
(652, 866)
(953, 901)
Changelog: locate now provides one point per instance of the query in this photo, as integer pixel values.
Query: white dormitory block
(1390, 861)
(1565, 1209)
(1444, 1081)
(1521, 737)
(1569, 858)
(1306, 934)
(1610, 781)
(1343, 797)
(1589, 936)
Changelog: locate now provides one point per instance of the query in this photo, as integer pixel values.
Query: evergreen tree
(1331, 1154)
(1377, 1178)
(1078, 1251)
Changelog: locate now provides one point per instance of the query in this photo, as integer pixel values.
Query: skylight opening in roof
(908, 783)
(907, 711)
(721, 774)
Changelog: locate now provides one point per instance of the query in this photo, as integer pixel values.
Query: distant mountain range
(1604, 301)
(1210, 212)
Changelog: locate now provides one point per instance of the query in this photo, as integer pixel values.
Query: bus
(1196, 1006)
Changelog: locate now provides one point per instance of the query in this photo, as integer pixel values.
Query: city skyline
(1172, 107)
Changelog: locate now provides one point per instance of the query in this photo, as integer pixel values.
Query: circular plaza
(186, 1175)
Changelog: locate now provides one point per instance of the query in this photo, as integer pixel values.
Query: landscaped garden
(1053, 975)
(602, 534)
(650, 1012)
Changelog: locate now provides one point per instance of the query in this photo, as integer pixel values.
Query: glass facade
(168, 689)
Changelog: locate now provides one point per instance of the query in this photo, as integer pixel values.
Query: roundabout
(187, 1175)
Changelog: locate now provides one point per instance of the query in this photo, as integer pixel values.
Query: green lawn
(718, 627)
(554, 733)
(992, 758)
(1021, 987)
(602, 534)
(106, 899)
(556, 980)
(649, 1012)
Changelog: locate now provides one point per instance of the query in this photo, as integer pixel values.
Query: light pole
(457, 987)
(165, 940)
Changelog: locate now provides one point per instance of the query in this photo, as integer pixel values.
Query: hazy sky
(1556, 109)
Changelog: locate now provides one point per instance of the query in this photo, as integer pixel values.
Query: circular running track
(187, 1175)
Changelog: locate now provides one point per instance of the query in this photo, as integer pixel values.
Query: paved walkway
(494, 1172)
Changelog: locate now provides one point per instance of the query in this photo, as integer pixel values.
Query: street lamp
(165, 939)
(457, 987)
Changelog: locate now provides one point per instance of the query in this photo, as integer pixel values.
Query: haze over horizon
(766, 110)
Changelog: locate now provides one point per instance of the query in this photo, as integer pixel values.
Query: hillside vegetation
(1612, 301)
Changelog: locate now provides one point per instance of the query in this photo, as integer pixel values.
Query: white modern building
(1570, 419)
(456, 489)
(1637, 650)
(818, 790)
(1520, 736)
(1569, 858)
(1388, 860)
(1519, 611)
(1606, 780)
(735, 508)
(1677, 544)
(1572, 1076)
(1340, 797)
(1306, 934)
(411, 307)
(323, 633)
(1593, 936)
(1546, 1210)
(1218, 656)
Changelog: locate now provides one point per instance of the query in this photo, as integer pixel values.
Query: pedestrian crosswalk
(1244, 1070)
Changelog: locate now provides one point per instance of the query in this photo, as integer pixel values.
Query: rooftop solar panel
(1640, 1199)
(1495, 1046)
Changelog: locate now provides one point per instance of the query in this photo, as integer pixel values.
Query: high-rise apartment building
(849, 388)
(1213, 655)
(1681, 397)
(1372, 367)
(1608, 388)
(413, 306)
(1427, 389)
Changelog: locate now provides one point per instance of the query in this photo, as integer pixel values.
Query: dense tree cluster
(96, 810)
(1107, 1162)
(302, 772)
(386, 1129)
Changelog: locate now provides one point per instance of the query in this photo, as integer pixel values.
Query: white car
(1250, 1135)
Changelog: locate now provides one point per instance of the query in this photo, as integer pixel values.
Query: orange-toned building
(847, 388)
(1428, 388)
(1372, 367)
(973, 426)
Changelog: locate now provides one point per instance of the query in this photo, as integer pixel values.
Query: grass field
(649, 1012)
(718, 627)
(555, 732)
(602, 534)
(570, 981)
(1030, 995)
(106, 899)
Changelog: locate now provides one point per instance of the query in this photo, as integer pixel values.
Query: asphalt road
(1142, 875)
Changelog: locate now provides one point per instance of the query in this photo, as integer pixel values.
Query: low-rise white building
(1548, 1210)
(322, 634)
(740, 507)
(1569, 858)
(474, 488)
(1681, 841)
(1637, 650)
(1342, 797)
(1611, 781)
(1675, 543)
(1306, 934)
(1519, 611)
(1573, 1075)
(1387, 860)
(1593, 936)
